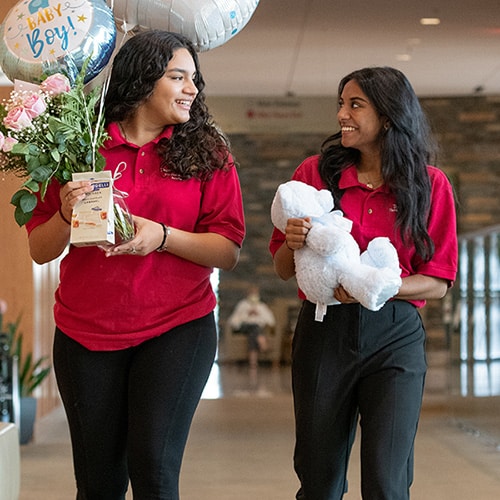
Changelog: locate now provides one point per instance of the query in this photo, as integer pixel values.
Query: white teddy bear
(331, 256)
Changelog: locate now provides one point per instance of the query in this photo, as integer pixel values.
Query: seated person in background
(251, 316)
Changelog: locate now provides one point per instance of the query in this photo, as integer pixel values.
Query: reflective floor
(241, 445)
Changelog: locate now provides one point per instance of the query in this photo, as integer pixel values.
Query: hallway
(241, 445)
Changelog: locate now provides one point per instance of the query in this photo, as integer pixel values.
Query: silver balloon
(207, 23)
(44, 36)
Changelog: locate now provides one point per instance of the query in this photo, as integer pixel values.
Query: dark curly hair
(407, 148)
(197, 148)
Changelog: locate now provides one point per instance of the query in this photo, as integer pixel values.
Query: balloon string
(104, 88)
(100, 116)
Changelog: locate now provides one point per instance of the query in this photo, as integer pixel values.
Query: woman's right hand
(48, 240)
(71, 193)
(295, 238)
(296, 232)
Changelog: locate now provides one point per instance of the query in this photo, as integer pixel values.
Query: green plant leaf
(31, 372)
(20, 149)
(32, 185)
(21, 217)
(41, 174)
(17, 196)
(27, 202)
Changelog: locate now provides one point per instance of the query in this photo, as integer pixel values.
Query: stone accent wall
(265, 161)
(468, 131)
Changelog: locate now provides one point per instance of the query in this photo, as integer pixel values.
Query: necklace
(372, 184)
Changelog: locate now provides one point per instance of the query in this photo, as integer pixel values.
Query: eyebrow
(178, 70)
(356, 98)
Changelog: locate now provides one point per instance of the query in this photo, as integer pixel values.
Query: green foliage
(32, 372)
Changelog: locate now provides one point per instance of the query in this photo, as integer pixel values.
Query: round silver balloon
(42, 36)
(207, 23)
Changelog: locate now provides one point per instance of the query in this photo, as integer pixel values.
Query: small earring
(387, 126)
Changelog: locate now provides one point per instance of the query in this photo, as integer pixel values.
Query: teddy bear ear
(278, 215)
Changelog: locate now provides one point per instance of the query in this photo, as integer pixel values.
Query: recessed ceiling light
(403, 57)
(430, 21)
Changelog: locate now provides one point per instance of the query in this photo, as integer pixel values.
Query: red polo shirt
(373, 213)
(117, 302)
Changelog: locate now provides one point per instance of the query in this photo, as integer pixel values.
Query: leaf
(21, 217)
(28, 202)
(44, 159)
(25, 202)
(20, 149)
(43, 190)
(33, 149)
(17, 196)
(41, 174)
(33, 162)
(32, 185)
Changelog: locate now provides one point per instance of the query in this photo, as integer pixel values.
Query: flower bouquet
(48, 132)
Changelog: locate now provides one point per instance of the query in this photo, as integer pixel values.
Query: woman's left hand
(342, 296)
(148, 237)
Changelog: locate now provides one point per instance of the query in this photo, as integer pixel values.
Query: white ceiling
(304, 47)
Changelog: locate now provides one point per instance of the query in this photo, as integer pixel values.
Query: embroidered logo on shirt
(394, 208)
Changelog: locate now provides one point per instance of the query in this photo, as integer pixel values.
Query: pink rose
(3, 306)
(8, 144)
(2, 141)
(34, 104)
(55, 84)
(17, 118)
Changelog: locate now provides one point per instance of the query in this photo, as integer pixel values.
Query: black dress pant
(357, 364)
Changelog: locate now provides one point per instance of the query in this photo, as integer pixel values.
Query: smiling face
(361, 125)
(174, 92)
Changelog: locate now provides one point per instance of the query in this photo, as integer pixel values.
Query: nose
(190, 87)
(342, 113)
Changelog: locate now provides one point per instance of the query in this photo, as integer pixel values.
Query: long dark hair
(197, 148)
(407, 148)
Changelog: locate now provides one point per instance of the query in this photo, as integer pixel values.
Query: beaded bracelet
(64, 218)
(166, 233)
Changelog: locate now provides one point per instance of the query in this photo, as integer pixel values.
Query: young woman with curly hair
(135, 333)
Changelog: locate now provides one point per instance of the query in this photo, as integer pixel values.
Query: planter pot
(28, 416)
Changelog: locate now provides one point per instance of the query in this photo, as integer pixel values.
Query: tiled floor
(241, 444)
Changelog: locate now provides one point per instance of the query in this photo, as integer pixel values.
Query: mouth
(345, 128)
(184, 103)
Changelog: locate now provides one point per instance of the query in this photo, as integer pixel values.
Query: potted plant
(31, 371)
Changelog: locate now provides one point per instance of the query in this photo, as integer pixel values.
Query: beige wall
(18, 281)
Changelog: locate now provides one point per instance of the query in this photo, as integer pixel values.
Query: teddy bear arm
(372, 287)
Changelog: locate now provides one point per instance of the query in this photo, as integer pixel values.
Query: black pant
(130, 411)
(357, 363)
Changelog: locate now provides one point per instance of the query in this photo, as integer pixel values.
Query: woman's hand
(148, 237)
(205, 249)
(296, 232)
(70, 194)
(49, 240)
(341, 294)
(295, 238)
